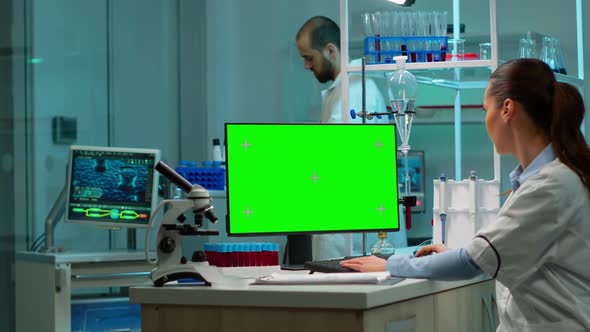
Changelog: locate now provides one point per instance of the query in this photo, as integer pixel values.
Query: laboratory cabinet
(410, 305)
(45, 283)
(465, 309)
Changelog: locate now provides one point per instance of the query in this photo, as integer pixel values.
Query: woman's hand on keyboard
(365, 264)
(430, 249)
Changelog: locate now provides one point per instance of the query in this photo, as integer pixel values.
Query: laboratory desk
(44, 283)
(410, 305)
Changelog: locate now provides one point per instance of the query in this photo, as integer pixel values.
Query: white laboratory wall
(144, 75)
(192, 93)
(254, 71)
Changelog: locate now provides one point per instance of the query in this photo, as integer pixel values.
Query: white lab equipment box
(470, 205)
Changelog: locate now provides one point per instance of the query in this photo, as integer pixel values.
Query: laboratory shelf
(454, 78)
(573, 80)
(472, 78)
(422, 65)
(458, 78)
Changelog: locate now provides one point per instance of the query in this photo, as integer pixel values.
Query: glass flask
(401, 86)
(552, 55)
(382, 247)
(527, 47)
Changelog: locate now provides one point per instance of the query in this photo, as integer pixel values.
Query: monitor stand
(297, 251)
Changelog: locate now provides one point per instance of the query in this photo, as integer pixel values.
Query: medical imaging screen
(415, 171)
(111, 187)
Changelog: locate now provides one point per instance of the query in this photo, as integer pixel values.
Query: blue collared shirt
(456, 264)
(518, 176)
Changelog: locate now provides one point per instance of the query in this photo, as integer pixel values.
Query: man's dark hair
(322, 31)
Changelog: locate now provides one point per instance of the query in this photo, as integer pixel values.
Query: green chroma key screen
(311, 178)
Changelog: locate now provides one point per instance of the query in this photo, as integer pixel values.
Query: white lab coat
(539, 251)
(327, 246)
(332, 100)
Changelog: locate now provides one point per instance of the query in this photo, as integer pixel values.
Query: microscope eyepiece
(173, 176)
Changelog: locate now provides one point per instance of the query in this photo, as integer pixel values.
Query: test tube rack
(468, 210)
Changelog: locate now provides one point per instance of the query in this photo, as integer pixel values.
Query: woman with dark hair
(538, 249)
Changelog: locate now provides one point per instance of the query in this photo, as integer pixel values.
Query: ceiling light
(405, 3)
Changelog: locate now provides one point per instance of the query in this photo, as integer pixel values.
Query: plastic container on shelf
(216, 154)
(212, 178)
(417, 49)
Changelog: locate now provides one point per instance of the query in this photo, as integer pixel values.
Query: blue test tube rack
(210, 177)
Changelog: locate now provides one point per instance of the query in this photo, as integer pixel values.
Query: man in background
(318, 41)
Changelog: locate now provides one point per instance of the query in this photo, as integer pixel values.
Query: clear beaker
(552, 55)
(527, 47)
(485, 51)
(457, 49)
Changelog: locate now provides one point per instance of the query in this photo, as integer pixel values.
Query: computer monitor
(417, 177)
(311, 178)
(111, 187)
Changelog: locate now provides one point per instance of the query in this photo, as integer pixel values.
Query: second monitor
(111, 187)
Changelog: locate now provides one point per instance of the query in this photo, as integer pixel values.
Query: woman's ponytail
(566, 135)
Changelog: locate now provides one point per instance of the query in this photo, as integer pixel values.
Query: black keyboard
(332, 265)
(327, 266)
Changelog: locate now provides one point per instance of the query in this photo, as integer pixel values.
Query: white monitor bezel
(105, 224)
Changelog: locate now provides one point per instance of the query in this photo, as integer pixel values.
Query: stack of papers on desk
(374, 278)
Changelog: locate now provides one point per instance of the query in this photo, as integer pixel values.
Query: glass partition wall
(96, 72)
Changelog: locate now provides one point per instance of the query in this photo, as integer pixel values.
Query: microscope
(170, 264)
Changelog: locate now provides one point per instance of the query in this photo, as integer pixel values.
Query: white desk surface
(296, 296)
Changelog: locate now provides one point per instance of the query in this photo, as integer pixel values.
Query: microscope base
(197, 271)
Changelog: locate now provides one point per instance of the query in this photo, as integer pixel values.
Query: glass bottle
(527, 47)
(382, 247)
(216, 155)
